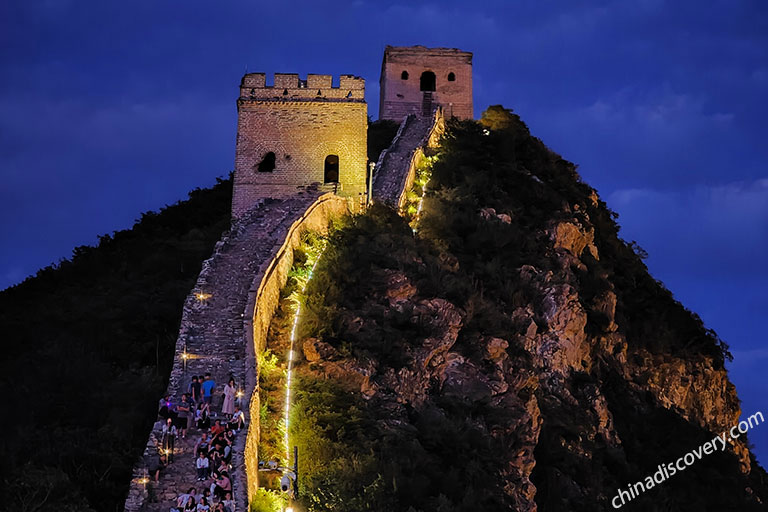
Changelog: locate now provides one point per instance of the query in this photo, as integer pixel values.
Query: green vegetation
(268, 501)
(442, 457)
(414, 196)
(88, 345)
(87, 348)
(348, 460)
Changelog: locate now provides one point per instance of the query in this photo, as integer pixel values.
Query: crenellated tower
(299, 133)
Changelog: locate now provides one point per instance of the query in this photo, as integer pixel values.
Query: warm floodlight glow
(202, 296)
(289, 373)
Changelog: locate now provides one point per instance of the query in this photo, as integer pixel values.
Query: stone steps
(393, 167)
(212, 333)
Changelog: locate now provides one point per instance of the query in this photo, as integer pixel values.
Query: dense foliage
(443, 458)
(87, 348)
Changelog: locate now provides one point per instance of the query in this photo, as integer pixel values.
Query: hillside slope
(87, 347)
(512, 354)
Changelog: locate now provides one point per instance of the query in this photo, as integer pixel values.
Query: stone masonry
(298, 133)
(226, 316)
(222, 329)
(212, 334)
(417, 80)
(396, 168)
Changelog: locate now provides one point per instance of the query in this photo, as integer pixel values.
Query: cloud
(700, 230)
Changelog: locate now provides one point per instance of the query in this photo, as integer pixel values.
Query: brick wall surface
(401, 97)
(301, 132)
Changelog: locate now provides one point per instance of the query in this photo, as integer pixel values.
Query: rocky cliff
(512, 354)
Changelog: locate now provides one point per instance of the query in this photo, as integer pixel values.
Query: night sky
(109, 109)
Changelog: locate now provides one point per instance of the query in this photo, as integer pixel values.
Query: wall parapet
(263, 300)
(290, 86)
(224, 323)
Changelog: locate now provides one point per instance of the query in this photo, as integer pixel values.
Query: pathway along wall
(226, 316)
(396, 168)
(222, 329)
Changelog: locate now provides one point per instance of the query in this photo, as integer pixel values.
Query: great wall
(227, 314)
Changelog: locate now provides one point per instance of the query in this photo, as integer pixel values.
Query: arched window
(267, 163)
(451, 77)
(404, 75)
(427, 81)
(331, 170)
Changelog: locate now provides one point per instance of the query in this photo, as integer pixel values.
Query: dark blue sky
(108, 109)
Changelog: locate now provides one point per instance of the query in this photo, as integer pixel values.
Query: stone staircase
(212, 336)
(394, 165)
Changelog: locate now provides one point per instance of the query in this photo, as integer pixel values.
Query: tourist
(202, 416)
(203, 505)
(221, 485)
(184, 414)
(155, 463)
(217, 428)
(203, 444)
(169, 438)
(228, 406)
(208, 386)
(237, 421)
(221, 464)
(203, 466)
(228, 502)
(227, 453)
(215, 457)
(191, 505)
(167, 408)
(207, 495)
(181, 501)
(195, 391)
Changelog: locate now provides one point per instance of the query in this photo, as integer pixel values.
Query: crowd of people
(213, 448)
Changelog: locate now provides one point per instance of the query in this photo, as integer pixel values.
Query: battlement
(393, 53)
(288, 86)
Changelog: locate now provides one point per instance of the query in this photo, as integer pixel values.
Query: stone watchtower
(297, 134)
(416, 80)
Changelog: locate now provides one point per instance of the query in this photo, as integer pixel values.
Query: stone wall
(400, 96)
(396, 168)
(222, 329)
(227, 315)
(263, 299)
(300, 126)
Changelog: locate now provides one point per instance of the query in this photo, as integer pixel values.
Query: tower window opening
(404, 75)
(267, 163)
(451, 77)
(427, 82)
(331, 170)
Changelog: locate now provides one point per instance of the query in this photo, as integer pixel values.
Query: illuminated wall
(297, 134)
(263, 300)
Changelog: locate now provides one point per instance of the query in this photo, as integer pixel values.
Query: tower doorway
(331, 169)
(427, 81)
